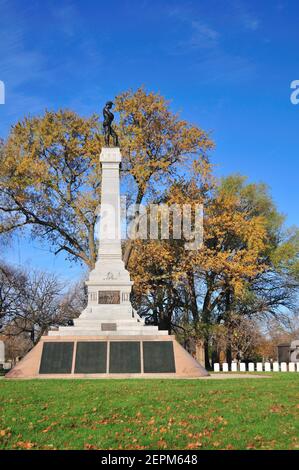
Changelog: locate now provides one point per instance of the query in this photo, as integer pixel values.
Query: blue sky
(226, 66)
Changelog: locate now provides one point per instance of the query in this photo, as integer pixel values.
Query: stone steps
(93, 323)
(107, 316)
(121, 308)
(97, 327)
(74, 331)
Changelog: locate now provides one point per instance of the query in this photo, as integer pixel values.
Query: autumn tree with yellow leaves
(50, 182)
(237, 271)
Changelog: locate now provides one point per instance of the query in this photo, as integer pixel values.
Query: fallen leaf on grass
(25, 445)
(208, 432)
(216, 444)
(89, 446)
(184, 424)
(47, 429)
(5, 433)
(276, 409)
(162, 444)
(194, 445)
(163, 430)
(133, 447)
(103, 421)
(250, 446)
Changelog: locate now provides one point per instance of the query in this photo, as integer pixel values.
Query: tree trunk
(229, 353)
(32, 336)
(200, 353)
(206, 319)
(206, 349)
(193, 298)
(228, 302)
(92, 250)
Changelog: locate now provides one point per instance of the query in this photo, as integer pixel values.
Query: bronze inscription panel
(109, 297)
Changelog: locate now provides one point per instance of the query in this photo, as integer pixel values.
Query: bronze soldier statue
(108, 129)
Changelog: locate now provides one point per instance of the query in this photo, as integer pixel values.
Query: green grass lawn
(150, 414)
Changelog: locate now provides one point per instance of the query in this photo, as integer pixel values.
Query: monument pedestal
(151, 356)
(109, 339)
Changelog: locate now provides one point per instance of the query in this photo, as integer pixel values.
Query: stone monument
(294, 351)
(2, 352)
(109, 339)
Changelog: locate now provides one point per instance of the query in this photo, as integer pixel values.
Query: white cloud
(203, 36)
(65, 16)
(245, 16)
(206, 46)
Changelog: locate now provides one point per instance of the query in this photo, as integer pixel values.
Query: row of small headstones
(258, 367)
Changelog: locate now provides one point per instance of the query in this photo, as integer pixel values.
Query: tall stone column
(110, 231)
(109, 274)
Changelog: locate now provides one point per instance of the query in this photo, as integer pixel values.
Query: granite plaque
(109, 297)
(125, 357)
(57, 358)
(158, 357)
(91, 357)
(108, 326)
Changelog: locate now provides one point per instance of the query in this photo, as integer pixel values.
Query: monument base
(107, 356)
